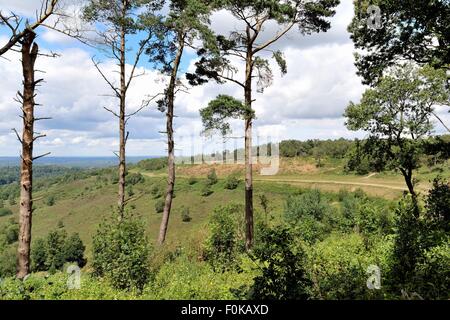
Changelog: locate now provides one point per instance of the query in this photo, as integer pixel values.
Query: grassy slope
(81, 205)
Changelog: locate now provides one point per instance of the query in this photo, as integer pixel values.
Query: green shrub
(120, 253)
(56, 249)
(211, 178)
(438, 203)
(432, 274)
(50, 201)
(231, 182)
(134, 178)
(153, 164)
(206, 191)
(74, 250)
(338, 265)
(10, 231)
(185, 216)
(222, 245)
(8, 257)
(5, 212)
(185, 278)
(39, 255)
(159, 206)
(157, 191)
(192, 180)
(283, 275)
(130, 191)
(306, 215)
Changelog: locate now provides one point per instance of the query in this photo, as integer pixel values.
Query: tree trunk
(122, 134)
(170, 144)
(29, 55)
(248, 154)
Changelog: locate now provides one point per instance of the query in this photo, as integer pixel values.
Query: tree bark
(248, 152)
(29, 55)
(170, 144)
(122, 134)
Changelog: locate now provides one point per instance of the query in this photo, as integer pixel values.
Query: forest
(362, 217)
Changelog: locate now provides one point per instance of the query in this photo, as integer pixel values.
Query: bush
(134, 178)
(8, 256)
(337, 267)
(153, 164)
(432, 278)
(10, 231)
(211, 178)
(130, 191)
(156, 191)
(39, 255)
(56, 249)
(5, 212)
(283, 275)
(222, 245)
(438, 204)
(50, 201)
(74, 250)
(185, 216)
(192, 181)
(159, 206)
(306, 215)
(120, 253)
(206, 191)
(232, 182)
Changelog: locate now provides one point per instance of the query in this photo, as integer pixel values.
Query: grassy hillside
(82, 204)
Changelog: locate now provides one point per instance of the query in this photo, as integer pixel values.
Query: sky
(306, 103)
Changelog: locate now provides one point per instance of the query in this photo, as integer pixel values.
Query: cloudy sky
(306, 103)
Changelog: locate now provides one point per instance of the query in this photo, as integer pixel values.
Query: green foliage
(337, 267)
(5, 212)
(153, 164)
(438, 203)
(185, 214)
(211, 178)
(306, 214)
(134, 178)
(206, 190)
(39, 255)
(283, 276)
(192, 180)
(407, 243)
(406, 33)
(231, 182)
(74, 250)
(224, 107)
(223, 243)
(187, 278)
(120, 253)
(8, 257)
(159, 205)
(130, 191)
(50, 201)
(56, 249)
(10, 231)
(397, 115)
(157, 191)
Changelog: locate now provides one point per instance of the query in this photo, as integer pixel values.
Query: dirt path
(361, 184)
(302, 181)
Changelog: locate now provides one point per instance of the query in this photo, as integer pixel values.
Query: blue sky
(306, 103)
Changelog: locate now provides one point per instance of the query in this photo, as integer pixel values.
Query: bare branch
(41, 156)
(17, 135)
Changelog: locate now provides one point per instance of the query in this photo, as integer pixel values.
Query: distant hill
(79, 162)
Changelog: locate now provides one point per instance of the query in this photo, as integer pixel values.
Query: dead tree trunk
(122, 124)
(29, 55)
(170, 144)
(248, 152)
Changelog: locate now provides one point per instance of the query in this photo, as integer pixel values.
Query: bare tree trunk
(248, 154)
(123, 136)
(170, 144)
(29, 55)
